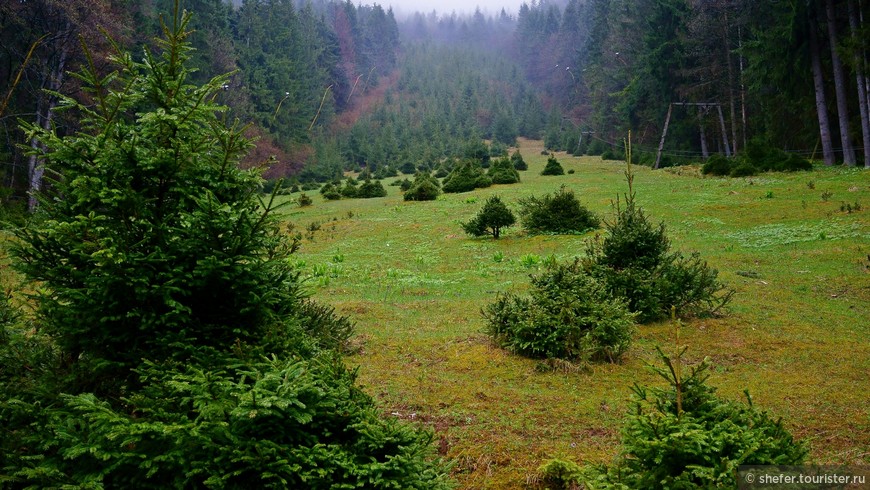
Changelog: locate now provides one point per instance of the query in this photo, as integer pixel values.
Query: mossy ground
(796, 335)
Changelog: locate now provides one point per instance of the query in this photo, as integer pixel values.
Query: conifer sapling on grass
(557, 213)
(494, 216)
(684, 436)
(634, 260)
(553, 167)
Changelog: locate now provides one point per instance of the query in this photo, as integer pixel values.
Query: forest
(691, 79)
(219, 269)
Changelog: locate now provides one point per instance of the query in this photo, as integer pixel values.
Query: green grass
(796, 334)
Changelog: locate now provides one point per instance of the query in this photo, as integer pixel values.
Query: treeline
(446, 99)
(788, 74)
(477, 30)
(296, 66)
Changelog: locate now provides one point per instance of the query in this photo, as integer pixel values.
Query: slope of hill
(795, 334)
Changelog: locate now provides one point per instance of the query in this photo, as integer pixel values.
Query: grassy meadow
(796, 334)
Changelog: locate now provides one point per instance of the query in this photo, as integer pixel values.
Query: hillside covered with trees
(313, 244)
(786, 74)
(294, 68)
(721, 77)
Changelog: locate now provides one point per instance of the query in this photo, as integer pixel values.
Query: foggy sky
(445, 7)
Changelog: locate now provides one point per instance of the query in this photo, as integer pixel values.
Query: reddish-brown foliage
(271, 158)
(363, 101)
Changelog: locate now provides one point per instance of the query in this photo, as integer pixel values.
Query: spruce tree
(164, 284)
(553, 167)
(494, 216)
(424, 188)
(150, 239)
(635, 261)
(502, 171)
(684, 436)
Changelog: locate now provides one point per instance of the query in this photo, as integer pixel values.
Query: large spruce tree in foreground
(150, 239)
(173, 348)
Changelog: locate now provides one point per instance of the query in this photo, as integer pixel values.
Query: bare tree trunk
(821, 105)
(840, 87)
(705, 153)
(724, 131)
(864, 56)
(742, 84)
(866, 63)
(732, 104)
(861, 82)
(664, 134)
(44, 114)
(35, 167)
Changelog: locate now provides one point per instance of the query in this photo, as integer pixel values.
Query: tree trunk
(840, 87)
(864, 57)
(861, 82)
(742, 84)
(724, 131)
(705, 153)
(44, 114)
(732, 103)
(35, 165)
(664, 134)
(821, 105)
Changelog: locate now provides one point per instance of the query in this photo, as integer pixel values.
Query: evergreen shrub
(553, 139)
(684, 436)
(568, 315)
(173, 346)
(611, 154)
(646, 158)
(769, 159)
(370, 189)
(330, 191)
(477, 151)
(384, 172)
(498, 149)
(743, 169)
(596, 147)
(553, 167)
(718, 165)
(229, 423)
(502, 171)
(304, 200)
(408, 168)
(349, 190)
(634, 261)
(466, 175)
(557, 213)
(403, 184)
(518, 162)
(757, 157)
(424, 188)
(494, 216)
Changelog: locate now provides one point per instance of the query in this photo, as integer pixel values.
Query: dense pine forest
(219, 271)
